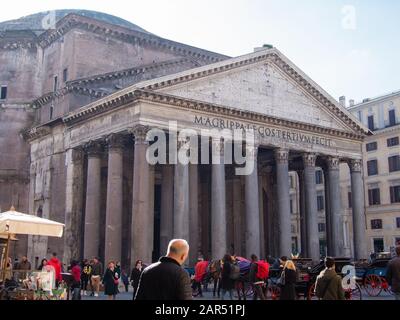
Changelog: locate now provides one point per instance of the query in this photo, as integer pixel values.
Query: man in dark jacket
(258, 284)
(329, 284)
(393, 274)
(166, 279)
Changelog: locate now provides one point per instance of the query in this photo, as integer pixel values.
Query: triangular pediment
(264, 82)
(261, 88)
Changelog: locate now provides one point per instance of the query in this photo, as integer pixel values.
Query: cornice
(388, 130)
(48, 97)
(129, 72)
(78, 85)
(36, 133)
(72, 21)
(157, 97)
(16, 39)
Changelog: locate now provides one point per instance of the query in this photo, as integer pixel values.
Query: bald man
(166, 279)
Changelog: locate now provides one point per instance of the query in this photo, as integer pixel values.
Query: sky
(349, 47)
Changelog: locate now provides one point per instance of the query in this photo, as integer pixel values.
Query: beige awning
(14, 222)
(5, 237)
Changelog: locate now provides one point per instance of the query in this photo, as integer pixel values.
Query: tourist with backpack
(258, 275)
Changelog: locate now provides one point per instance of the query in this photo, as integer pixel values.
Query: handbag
(281, 280)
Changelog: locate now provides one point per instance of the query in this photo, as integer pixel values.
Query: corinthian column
(113, 242)
(311, 206)
(181, 198)
(218, 202)
(357, 198)
(167, 207)
(142, 218)
(194, 234)
(336, 219)
(284, 221)
(73, 205)
(93, 193)
(252, 206)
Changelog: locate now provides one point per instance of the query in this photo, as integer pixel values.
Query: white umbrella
(14, 222)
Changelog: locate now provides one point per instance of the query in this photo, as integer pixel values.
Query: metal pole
(6, 258)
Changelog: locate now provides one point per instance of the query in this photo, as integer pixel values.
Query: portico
(297, 127)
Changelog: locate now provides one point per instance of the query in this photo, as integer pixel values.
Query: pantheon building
(77, 99)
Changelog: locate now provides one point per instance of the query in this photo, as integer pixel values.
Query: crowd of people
(168, 280)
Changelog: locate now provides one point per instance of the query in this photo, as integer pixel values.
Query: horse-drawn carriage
(307, 274)
(372, 275)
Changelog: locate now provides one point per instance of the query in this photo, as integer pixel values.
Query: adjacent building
(381, 162)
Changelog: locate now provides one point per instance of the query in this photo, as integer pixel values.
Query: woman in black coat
(288, 289)
(110, 281)
(227, 284)
(135, 276)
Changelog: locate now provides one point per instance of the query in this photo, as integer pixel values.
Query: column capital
(182, 143)
(355, 165)
(139, 132)
(77, 155)
(333, 163)
(252, 149)
(309, 159)
(281, 156)
(218, 145)
(93, 148)
(115, 141)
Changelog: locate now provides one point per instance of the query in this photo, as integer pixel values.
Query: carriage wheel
(249, 291)
(311, 293)
(373, 285)
(353, 294)
(275, 292)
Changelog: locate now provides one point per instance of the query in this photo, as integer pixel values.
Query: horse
(215, 274)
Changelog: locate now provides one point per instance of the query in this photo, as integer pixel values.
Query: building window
(39, 212)
(371, 146)
(293, 228)
(398, 222)
(374, 197)
(349, 200)
(397, 241)
(395, 194)
(295, 247)
(379, 245)
(318, 177)
(393, 141)
(321, 227)
(55, 83)
(322, 248)
(320, 202)
(359, 113)
(51, 112)
(65, 74)
(394, 163)
(291, 182)
(392, 118)
(372, 167)
(376, 224)
(371, 123)
(3, 92)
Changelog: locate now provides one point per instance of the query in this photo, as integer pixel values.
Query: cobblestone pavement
(208, 296)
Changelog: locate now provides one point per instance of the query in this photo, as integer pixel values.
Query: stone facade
(87, 152)
(382, 206)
